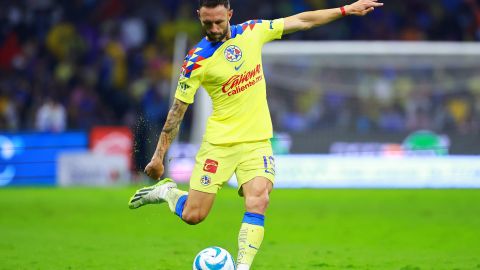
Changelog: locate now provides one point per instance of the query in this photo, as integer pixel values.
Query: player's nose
(215, 29)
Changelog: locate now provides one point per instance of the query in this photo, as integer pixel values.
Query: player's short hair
(213, 3)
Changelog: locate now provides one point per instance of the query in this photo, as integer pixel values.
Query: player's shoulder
(203, 50)
(199, 53)
(248, 26)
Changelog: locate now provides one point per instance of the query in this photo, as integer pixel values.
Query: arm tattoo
(171, 127)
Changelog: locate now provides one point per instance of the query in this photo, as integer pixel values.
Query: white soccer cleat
(152, 194)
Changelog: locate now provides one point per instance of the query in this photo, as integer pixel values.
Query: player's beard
(216, 37)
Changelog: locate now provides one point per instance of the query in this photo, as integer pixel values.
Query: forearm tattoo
(171, 127)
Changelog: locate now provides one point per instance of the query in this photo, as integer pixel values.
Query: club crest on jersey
(205, 180)
(210, 166)
(233, 53)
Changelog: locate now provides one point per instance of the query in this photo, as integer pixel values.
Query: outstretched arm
(155, 168)
(306, 20)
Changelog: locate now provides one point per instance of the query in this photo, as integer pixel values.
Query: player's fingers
(158, 174)
(369, 10)
(375, 3)
(150, 172)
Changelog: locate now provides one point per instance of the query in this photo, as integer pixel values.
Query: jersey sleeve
(190, 80)
(271, 30)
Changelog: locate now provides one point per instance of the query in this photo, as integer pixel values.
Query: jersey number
(269, 164)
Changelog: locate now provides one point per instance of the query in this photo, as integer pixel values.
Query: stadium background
(71, 66)
(110, 62)
(75, 72)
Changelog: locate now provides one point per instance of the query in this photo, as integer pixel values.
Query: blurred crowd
(79, 63)
(384, 99)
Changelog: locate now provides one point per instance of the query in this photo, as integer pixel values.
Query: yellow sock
(250, 238)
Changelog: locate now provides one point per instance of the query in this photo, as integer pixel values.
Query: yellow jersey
(232, 74)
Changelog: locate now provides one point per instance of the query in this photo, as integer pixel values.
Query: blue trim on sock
(180, 205)
(254, 219)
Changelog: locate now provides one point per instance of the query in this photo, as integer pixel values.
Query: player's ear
(230, 14)
(198, 13)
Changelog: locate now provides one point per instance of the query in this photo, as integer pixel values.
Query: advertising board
(30, 158)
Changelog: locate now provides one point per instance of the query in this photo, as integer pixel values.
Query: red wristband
(344, 13)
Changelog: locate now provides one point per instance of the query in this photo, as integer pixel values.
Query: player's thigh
(214, 166)
(257, 161)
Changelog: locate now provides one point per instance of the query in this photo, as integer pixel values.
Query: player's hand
(155, 168)
(362, 7)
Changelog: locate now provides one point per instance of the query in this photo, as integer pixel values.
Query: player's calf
(193, 218)
(250, 237)
(196, 208)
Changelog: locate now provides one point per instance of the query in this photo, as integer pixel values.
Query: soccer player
(228, 64)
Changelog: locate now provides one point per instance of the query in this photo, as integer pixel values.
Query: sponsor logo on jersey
(233, 53)
(237, 68)
(210, 166)
(241, 82)
(183, 86)
(205, 180)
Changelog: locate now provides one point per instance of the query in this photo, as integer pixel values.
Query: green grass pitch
(326, 229)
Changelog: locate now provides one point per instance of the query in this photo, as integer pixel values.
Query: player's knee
(193, 217)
